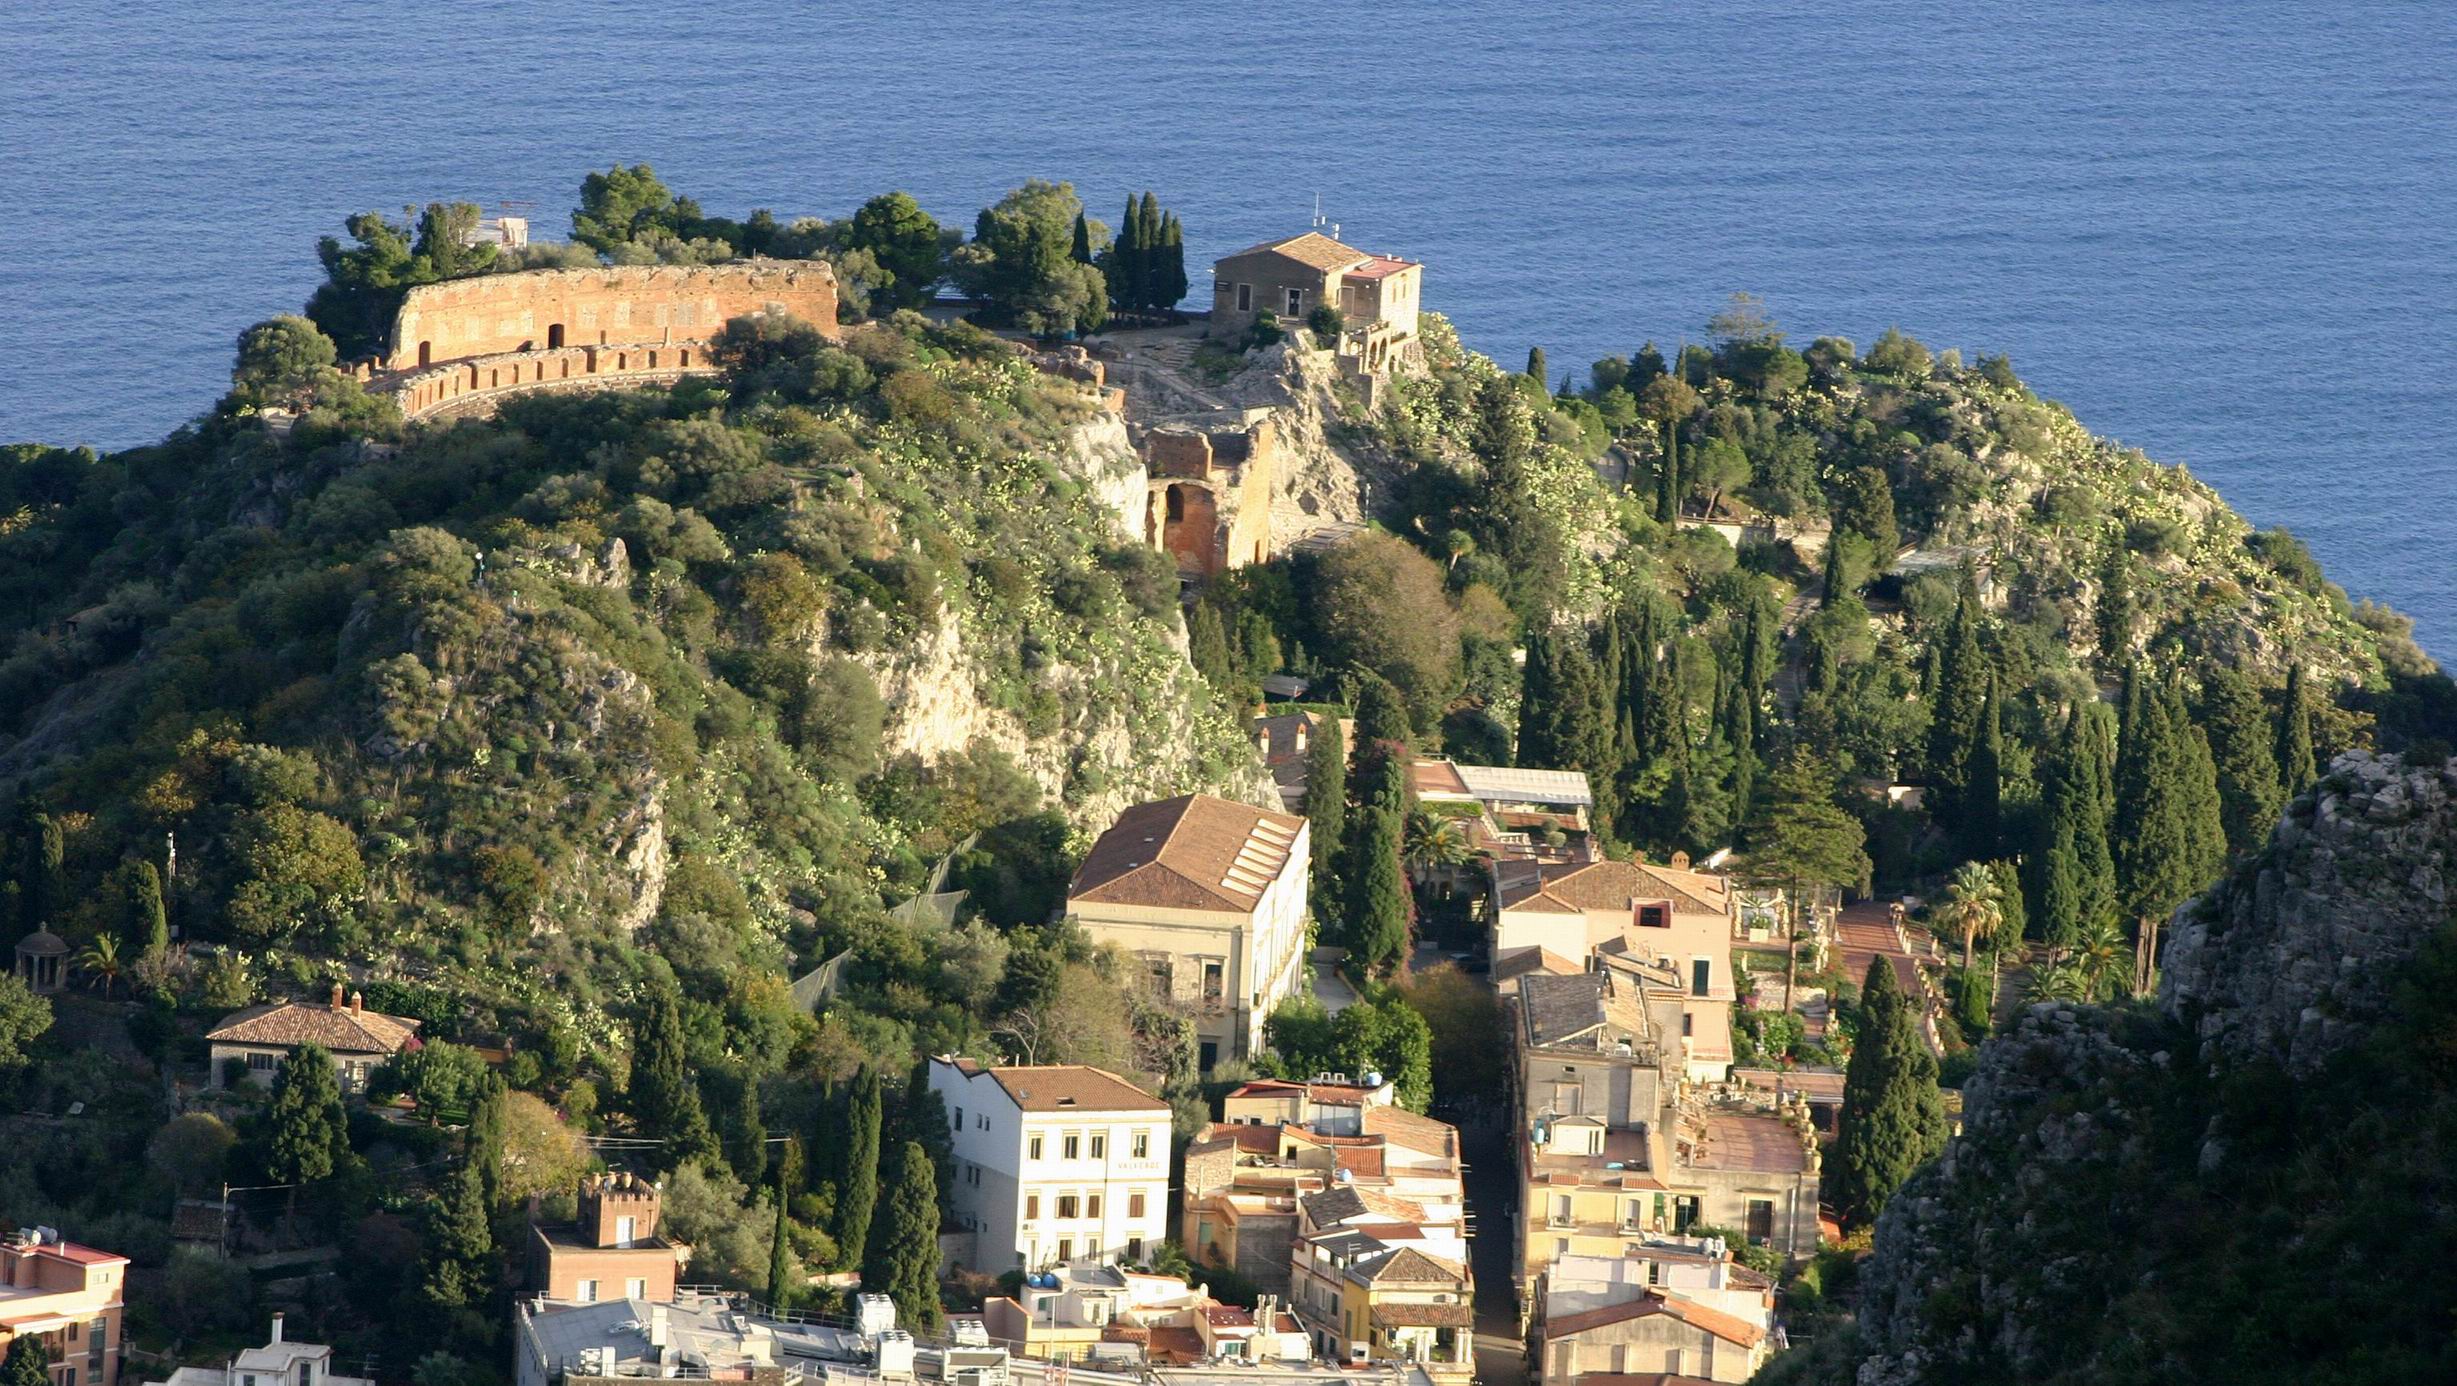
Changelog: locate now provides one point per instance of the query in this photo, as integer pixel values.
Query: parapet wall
(625, 305)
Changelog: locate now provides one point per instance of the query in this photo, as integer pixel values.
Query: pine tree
(1326, 803)
(857, 1183)
(785, 1279)
(902, 1262)
(2296, 770)
(1893, 1118)
(663, 1099)
(149, 922)
(308, 1135)
(2243, 743)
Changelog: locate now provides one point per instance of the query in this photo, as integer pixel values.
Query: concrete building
(254, 1042)
(699, 1338)
(1055, 1164)
(1376, 295)
(68, 1297)
(279, 1362)
(1634, 912)
(1208, 898)
(1325, 1105)
(612, 1250)
(1617, 1148)
(1285, 740)
(1649, 1332)
(1110, 1317)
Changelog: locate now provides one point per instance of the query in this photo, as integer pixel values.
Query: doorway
(426, 353)
(554, 336)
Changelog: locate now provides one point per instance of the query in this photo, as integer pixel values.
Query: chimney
(336, 996)
(358, 1005)
(277, 1329)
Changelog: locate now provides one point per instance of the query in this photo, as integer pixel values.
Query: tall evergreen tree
(1893, 1118)
(1381, 710)
(902, 1261)
(485, 1139)
(307, 1135)
(923, 1121)
(1580, 735)
(28, 1362)
(1171, 271)
(2062, 908)
(1537, 746)
(2296, 770)
(1536, 367)
(1379, 906)
(1955, 711)
(1979, 825)
(2094, 851)
(2205, 823)
(1668, 476)
(2243, 743)
(1082, 251)
(459, 1242)
(149, 922)
(857, 1182)
(1125, 272)
(664, 1101)
(785, 1280)
(2161, 815)
(1326, 805)
(743, 1135)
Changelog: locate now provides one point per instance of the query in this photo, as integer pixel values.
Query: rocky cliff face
(2115, 1161)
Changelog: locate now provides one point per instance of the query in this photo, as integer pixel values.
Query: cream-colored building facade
(1055, 1164)
(1207, 898)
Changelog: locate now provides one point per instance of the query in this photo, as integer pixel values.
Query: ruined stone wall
(635, 305)
(462, 389)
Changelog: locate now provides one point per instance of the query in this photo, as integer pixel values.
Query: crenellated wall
(626, 305)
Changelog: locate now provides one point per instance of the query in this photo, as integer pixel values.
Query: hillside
(2212, 1187)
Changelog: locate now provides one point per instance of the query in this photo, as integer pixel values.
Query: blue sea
(2224, 231)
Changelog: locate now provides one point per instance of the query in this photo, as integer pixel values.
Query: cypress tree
(1893, 1118)
(784, 1283)
(1125, 269)
(2063, 909)
(745, 1135)
(664, 1101)
(903, 1260)
(1580, 731)
(1148, 235)
(924, 1122)
(1536, 369)
(857, 1186)
(1980, 822)
(1379, 906)
(1956, 710)
(2116, 609)
(1381, 713)
(1083, 240)
(149, 922)
(1538, 707)
(485, 1139)
(2296, 769)
(2013, 914)
(1668, 476)
(2157, 860)
(2094, 852)
(2205, 826)
(1326, 803)
(1172, 269)
(2243, 744)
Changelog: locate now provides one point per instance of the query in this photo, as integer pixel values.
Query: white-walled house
(1055, 1164)
(1208, 897)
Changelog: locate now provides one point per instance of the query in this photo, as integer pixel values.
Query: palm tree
(2102, 957)
(1430, 841)
(100, 961)
(2063, 980)
(1973, 905)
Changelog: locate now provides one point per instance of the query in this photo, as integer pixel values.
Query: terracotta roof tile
(1402, 1127)
(1612, 885)
(338, 1029)
(1193, 852)
(1725, 1326)
(1407, 1265)
(1312, 249)
(1066, 1088)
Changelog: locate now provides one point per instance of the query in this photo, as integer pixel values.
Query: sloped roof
(338, 1029)
(1613, 885)
(1193, 852)
(1520, 785)
(1561, 1008)
(1535, 960)
(1747, 1141)
(1347, 1201)
(43, 943)
(1402, 1127)
(1312, 249)
(1405, 1265)
(1065, 1088)
(1728, 1327)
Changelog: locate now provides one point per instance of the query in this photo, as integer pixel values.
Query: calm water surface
(2223, 232)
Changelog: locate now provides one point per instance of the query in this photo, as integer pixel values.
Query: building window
(1032, 1207)
(1143, 1145)
(1761, 1221)
(1134, 1249)
(1134, 1205)
(626, 1231)
(1701, 973)
(260, 1062)
(981, 1123)
(1296, 303)
(1066, 1249)
(1655, 915)
(956, 1123)
(1092, 1206)
(1211, 981)
(1210, 1055)
(1033, 1148)
(1100, 1146)
(1068, 1206)
(1073, 1146)
(588, 1292)
(1245, 298)
(1689, 1025)
(635, 1289)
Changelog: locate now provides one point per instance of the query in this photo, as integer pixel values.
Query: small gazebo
(42, 962)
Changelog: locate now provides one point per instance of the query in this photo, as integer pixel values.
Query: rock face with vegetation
(2246, 1181)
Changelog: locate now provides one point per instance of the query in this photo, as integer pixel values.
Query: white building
(278, 1363)
(1055, 1164)
(1209, 897)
